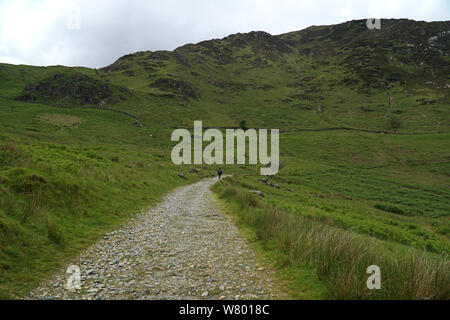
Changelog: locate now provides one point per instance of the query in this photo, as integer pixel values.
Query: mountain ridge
(314, 77)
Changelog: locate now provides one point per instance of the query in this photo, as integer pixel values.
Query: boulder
(274, 185)
(265, 179)
(259, 193)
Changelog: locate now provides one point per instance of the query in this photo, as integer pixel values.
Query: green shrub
(444, 230)
(389, 208)
(9, 154)
(395, 123)
(29, 182)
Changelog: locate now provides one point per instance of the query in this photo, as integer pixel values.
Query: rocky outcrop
(76, 89)
(257, 192)
(179, 87)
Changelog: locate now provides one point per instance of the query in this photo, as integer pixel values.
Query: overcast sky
(95, 33)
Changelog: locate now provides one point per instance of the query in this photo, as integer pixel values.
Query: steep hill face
(337, 75)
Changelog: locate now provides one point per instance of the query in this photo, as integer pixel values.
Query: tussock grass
(54, 234)
(341, 258)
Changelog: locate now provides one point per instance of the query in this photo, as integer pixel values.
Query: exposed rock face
(261, 41)
(184, 88)
(77, 89)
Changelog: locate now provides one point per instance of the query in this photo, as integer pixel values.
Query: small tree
(243, 124)
(395, 123)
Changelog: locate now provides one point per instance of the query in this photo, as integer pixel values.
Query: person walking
(219, 173)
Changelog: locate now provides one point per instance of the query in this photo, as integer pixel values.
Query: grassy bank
(339, 257)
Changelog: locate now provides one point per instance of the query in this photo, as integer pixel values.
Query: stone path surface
(183, 248)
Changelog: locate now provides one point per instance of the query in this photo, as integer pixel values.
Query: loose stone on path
(183, 248)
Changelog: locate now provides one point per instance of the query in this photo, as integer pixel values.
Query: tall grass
(56, 200)
(341, 257)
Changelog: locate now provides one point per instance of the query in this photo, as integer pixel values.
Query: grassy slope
(304, 249)
(391, 187)
(66, 177)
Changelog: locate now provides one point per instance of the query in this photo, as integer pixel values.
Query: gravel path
(184, 248)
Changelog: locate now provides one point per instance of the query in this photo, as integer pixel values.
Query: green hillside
(364, 116)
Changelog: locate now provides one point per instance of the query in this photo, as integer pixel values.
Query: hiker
(219, 172)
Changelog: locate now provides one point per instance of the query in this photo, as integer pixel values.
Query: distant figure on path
(219, 172)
